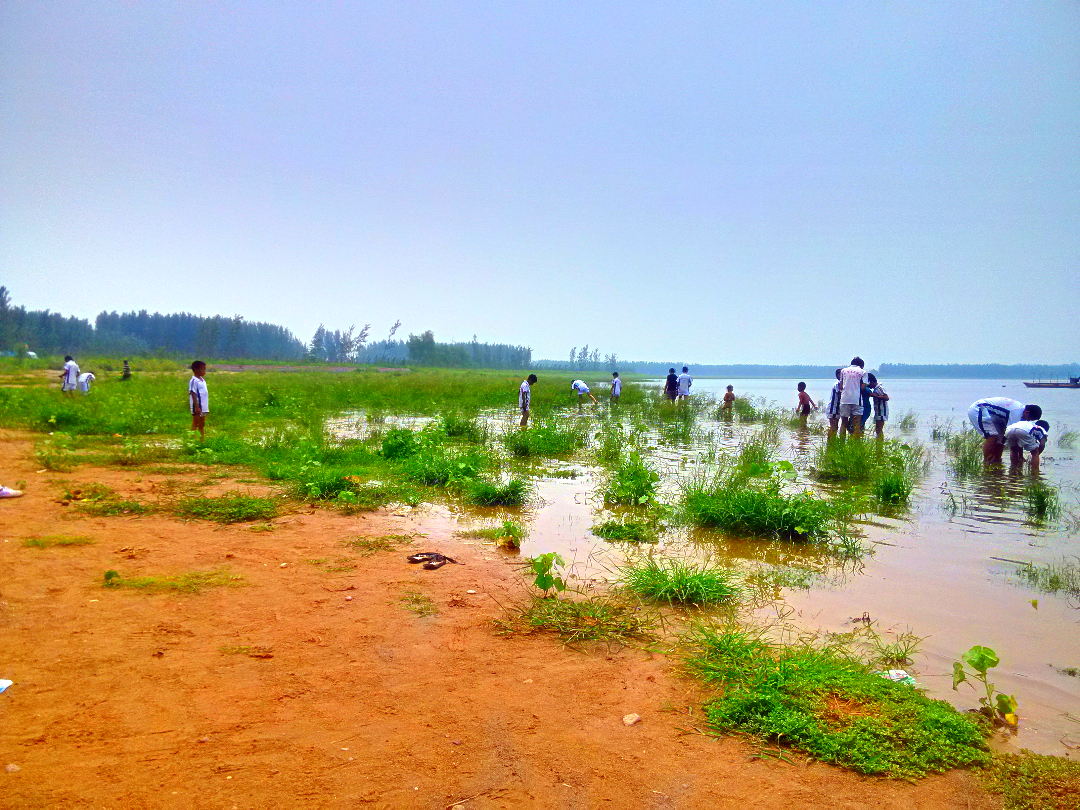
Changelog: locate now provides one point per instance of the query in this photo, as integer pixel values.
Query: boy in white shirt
(851, 384)
(84, 382)
(525, 398)
(832, 410)
(685, 381)
(1030, 436)
(881, 404)
(69, 377)
(582, 389)
(199, 397)
(993, 416)
(616, 387)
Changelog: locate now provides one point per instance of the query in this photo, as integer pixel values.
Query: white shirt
(616, 387)
(685, 381)
(998, 406)
(1025, 435)
(851, 380)
(580, 387)
(524, 395)
(71, 375)
(202, 396)
(85, 380)
(834, 401)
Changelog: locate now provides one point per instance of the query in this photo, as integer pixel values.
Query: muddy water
(940, 569)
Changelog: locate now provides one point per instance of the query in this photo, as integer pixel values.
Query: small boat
(1074, 382)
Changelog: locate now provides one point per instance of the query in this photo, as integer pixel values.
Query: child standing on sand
(199, 397)
(805, 404)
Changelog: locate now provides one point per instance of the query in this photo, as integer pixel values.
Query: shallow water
(943, 573)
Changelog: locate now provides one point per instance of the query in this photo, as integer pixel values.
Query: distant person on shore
(616, 387)
(127, 371)
(1026, 435)
(851, 404)
(729, 400)
(832, 410)
(525, 398)
(993, 416)
(69, 377)
(199, 397)
(84, 382)
(881, 404)
(671, 385)
(806, 404)
(685, 381)
(582, 389)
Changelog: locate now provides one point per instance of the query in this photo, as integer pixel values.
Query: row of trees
(585, 359)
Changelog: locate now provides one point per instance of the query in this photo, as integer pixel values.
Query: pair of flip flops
(432, 559)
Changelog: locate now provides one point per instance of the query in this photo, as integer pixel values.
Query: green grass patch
(1041, 501)
(1028, 781)
(604, 618)
(115, 507)
(190, 582)
(507, 534)
(677, 581)
(418, 603)
(827, 703)
(51, 540)
(234, 507)
(890, 469)
(547, 439)
(965, 451)
(492, 493)
(627, 530)
(633, 482)
(367, 546)
(760, 509)
(1053, 578)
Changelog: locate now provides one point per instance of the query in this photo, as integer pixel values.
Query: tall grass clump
(908, 421)
(966, 452)
(605, 618)
(547, 440)
(489, 493)
(633, 482)
(677, 581)
(627, 530)
(1041, 501)
(890, 469)
(1053, 578)
(463, 428)
(1067, 438)
(755, 409)
(826, 702)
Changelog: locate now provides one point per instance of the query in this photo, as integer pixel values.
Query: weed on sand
(190, 582)
(826, 702)
(366, 546)
(418, 603)
(234, 507)
(603, 618)
(49, 541)
(678, 581)
(1028, 781)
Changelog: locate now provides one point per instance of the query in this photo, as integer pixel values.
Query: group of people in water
(856, 398)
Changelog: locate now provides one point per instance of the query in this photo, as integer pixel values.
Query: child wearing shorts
(198, 397)
(1027, 435)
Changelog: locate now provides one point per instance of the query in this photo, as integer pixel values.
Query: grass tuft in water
(1066, 438)
(966, 451)
(627, 530)
(1041, 501)
(490, 493)
(547, 439)
(1053, 578)
(678, 581)
(826, 702)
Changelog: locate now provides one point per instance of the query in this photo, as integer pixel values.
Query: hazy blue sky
(711, 182)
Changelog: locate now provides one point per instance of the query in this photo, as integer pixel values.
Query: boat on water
(1074, 382)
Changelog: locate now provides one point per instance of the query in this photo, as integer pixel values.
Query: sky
(713, 182)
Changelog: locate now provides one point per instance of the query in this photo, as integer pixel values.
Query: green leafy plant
(627, 531)
(544, 568)
(633, 482)
(997, 707)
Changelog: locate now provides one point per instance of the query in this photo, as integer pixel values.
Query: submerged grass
(492, 493)
(1053, 578)
(627, 530)
(633, 482)
(679, 581)
(1041, 501)
(548, 439)
(826, 702)
(966, 451)
(889, 469)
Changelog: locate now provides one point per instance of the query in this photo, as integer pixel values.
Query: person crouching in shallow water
(880, 401)
(805, 404)
(525, 398)
(993, 416)
(1030, 436)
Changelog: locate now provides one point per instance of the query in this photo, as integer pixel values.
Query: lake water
(944, 569)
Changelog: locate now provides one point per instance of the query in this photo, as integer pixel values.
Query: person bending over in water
(582, 389)
(993, 416)
(1030, 436)
(805, 404)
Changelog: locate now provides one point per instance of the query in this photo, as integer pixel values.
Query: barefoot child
(805, 404)
(832, 411)
(881, 404)
(729, 399)
(1030, 436)
(199, 397)
(582, 389)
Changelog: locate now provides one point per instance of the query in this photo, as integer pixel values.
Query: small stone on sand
(630, 719)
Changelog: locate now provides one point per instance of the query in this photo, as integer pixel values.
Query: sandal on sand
(424, 556)
(7, 492)
(439, 563)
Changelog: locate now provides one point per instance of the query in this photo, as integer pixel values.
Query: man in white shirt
(685, 381)
(993, 416)
(582, 389)
(851, 385)
(525, 398)
(84, 382)
(69, 377)
(616, 387)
